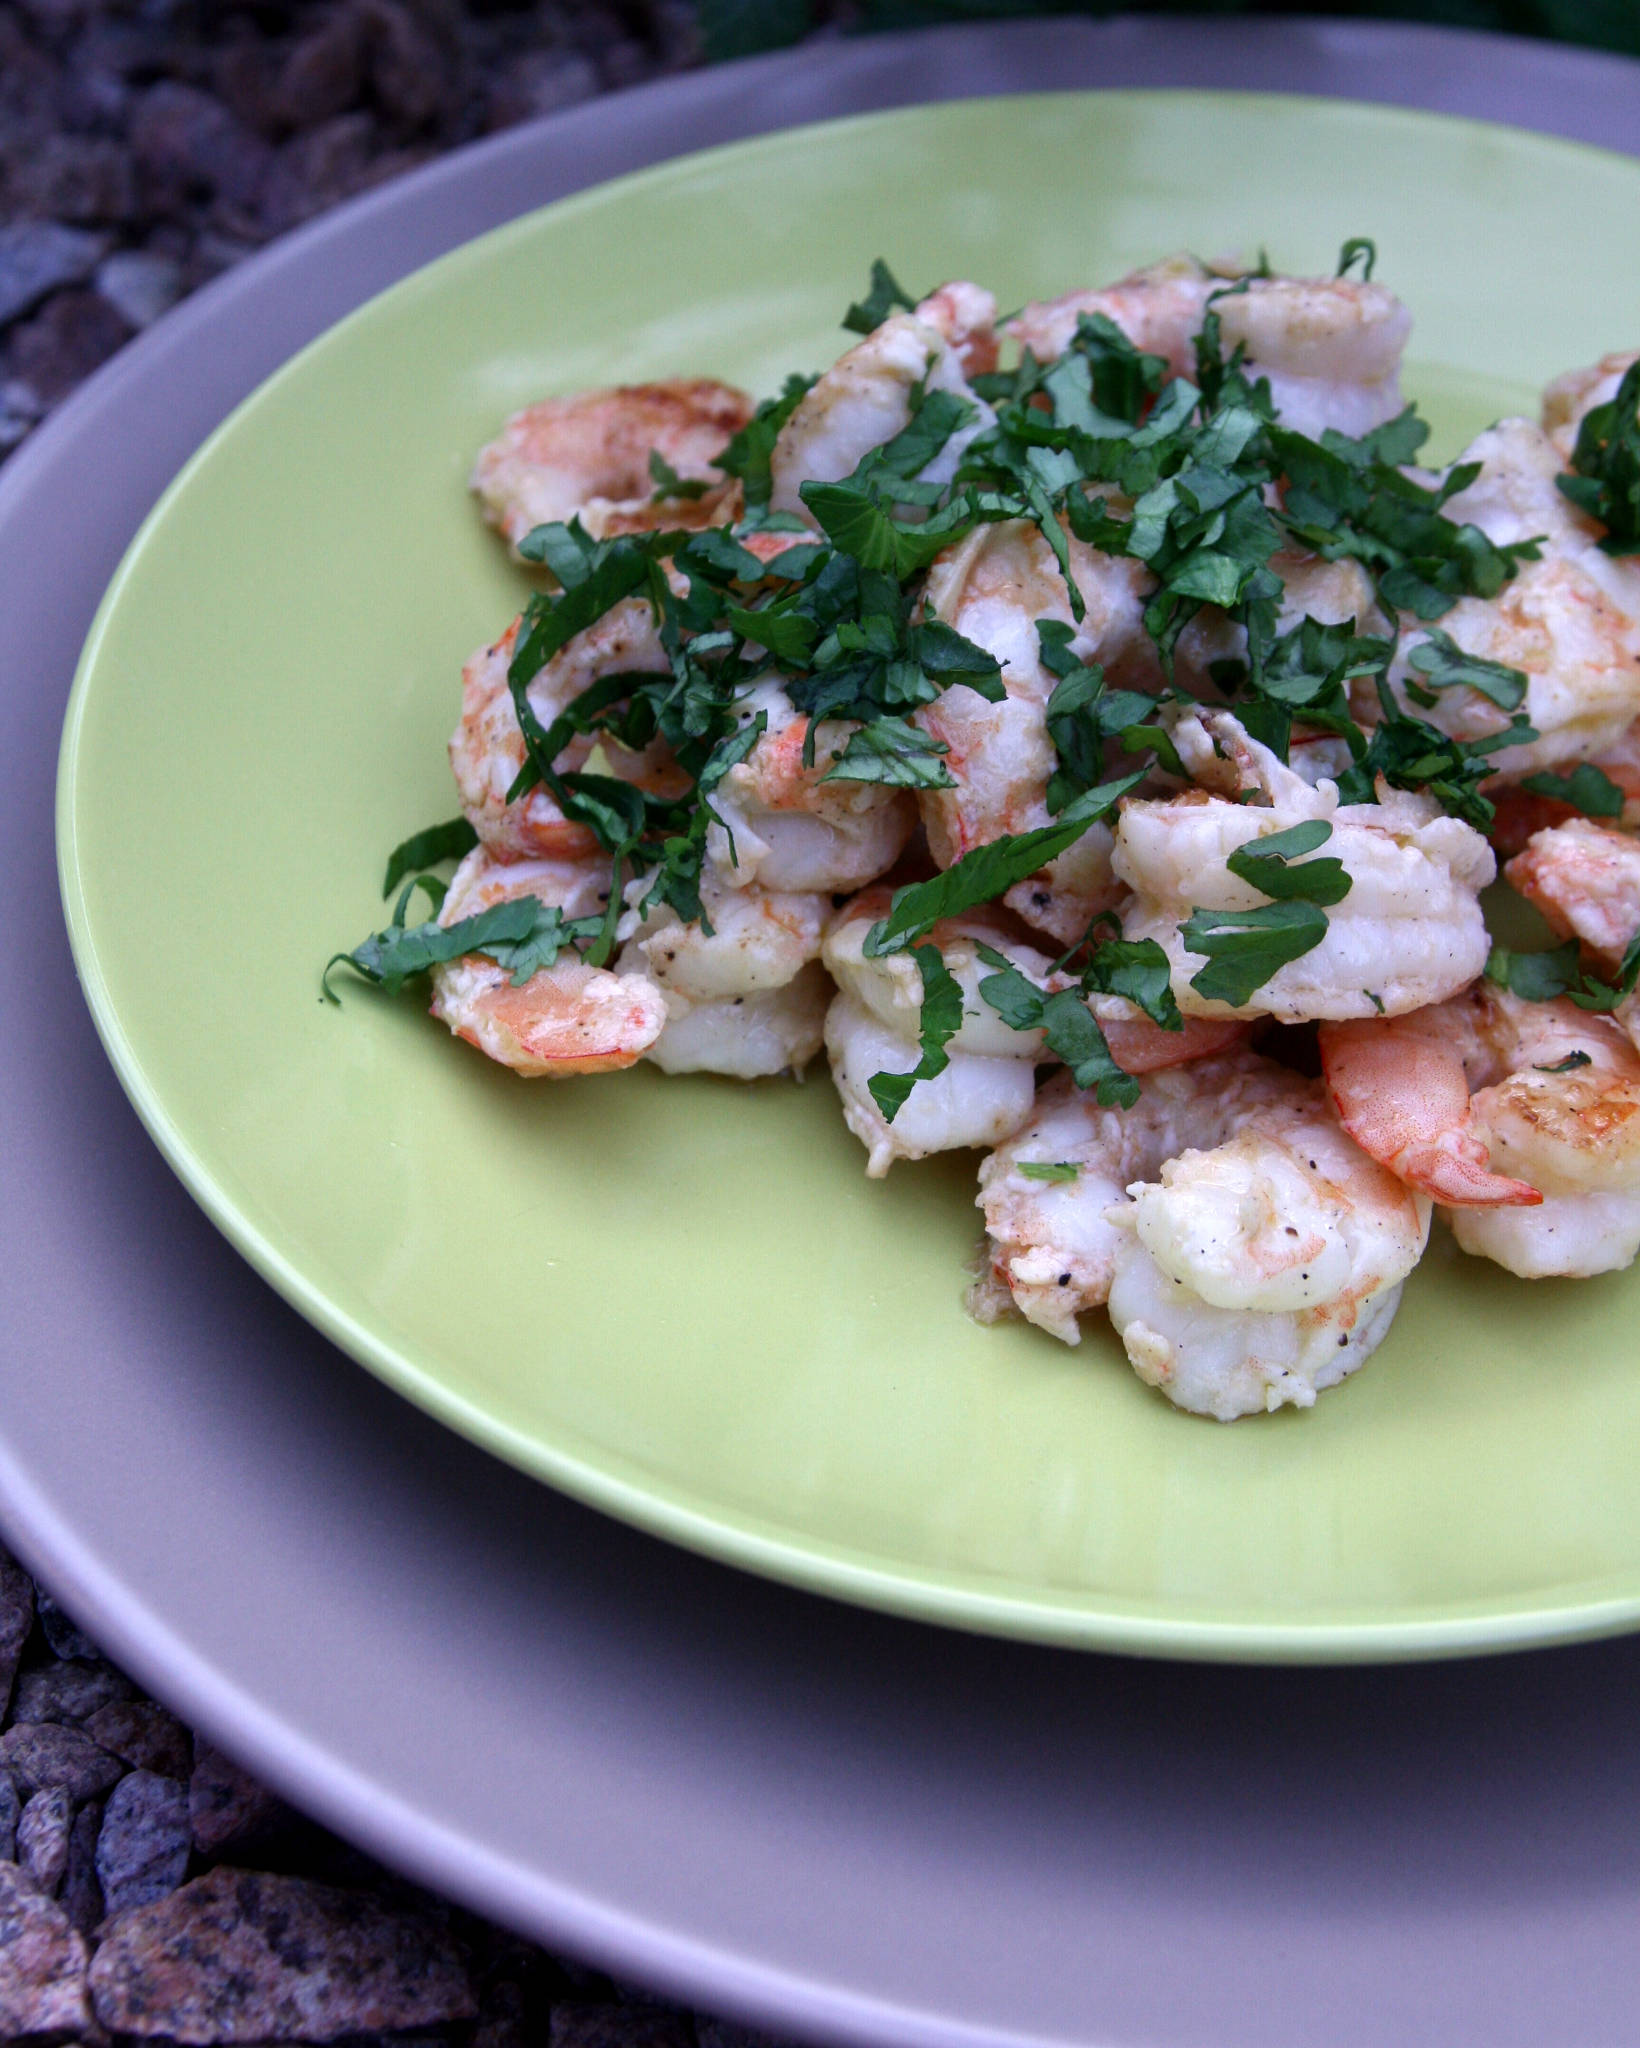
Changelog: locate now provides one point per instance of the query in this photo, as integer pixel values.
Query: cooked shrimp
(568, 1018)
(487, 747)
(1329, 346)
(976, 1101)
(966, 315)
(864, 399)
(740, 998)
(993, 587)
(1410, 932)
(1585, 878)
(1250, 1254)
(1570, 396)
(1569, 621)
(1540, 1164)
(785, 826)
(587, 457)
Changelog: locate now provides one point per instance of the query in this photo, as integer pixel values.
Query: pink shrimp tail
(1140, 1047)
(1405, 1101)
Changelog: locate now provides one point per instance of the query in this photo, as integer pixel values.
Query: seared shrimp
(966, 315)
(785, 826)
(745, 998)
(1569, 621)
(487, 747)
(1410, 932)
(864, 399)
(568, 1018)
(1540, 1164)
(1250, 1254)
(993, 587)
(1329, 346)
(587, 457)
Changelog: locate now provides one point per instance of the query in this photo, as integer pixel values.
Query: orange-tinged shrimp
(1585, 878)
(587, 457)
(568, 1018)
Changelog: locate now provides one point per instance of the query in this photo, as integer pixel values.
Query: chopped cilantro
(1049, 1169)
(1587, 789)
(1444, 665)
(892, 751)
(1605, 473)
(668, 484)
(427, 848)
(941, 1020)
(866, 315)
(1266, 864)
(1245, 947)
(1070, 1030)
(1568, 1065)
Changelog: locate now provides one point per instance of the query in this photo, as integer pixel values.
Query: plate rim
(1086, 1621)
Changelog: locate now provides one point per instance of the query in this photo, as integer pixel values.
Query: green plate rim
(747, 1542)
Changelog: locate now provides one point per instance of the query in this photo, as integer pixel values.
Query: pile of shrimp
(1249, 1222)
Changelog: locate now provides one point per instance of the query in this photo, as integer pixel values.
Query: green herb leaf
(866, 315)
(523, 935)
(449, 841)
(1070, 1030)
(668, 484)
(1136, 969)
(1535, 977)
(1587, 789)
(891, 751)
(990, 870)
(941, 1020)
(1568, 1065)
(1444, 665)
(747, 455)
(1049, 1169)
(1358, 249)
(1605, 474)
(1266, 864)
(1245, 947)
(858, 523)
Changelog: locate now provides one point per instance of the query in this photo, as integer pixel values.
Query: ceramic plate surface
(680, 1299)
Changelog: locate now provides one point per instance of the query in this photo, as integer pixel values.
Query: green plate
(680, 1299)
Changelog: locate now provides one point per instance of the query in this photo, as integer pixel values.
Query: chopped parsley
(1605, 475)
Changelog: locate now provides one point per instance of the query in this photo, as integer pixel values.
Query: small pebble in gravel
(227, 1807)
(140, 285)
(322, 75)
(42, 1754)
(16, 1587)
(42, 1836)
(242, 1956)
(142, 1850)
(619, 2026)
(711, 2033)
(20, 407)
(42, 1966)
(37, 258)
(64, 1636)
(10, 1808)
(68, 1692)
(85, 179)
(81, 1895)
(74, 334)
(144, 1734)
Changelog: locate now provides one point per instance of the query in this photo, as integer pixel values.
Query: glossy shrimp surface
(587, 458)
(1250, 1255)
(1585, 878)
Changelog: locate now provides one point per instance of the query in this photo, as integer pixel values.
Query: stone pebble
(68, 1692)
(16, 1587)
(42, 1966)
(42, 1754)
(42, 1836)
(62, 1632)
(143, 1844)
(144, 1734)
(245, 1956)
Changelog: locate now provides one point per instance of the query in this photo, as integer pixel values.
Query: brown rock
(62, 1631)
(240, 1956)
(69, 1692)
(42, 1837)
(41, 1754)
(16, 1615)
(143, 1846)
(144, 1734)
(42, 1966)
(11, 1808)
(411, 72)
(74, 334)
(619, 2026)
(711, 2033)
(322, 75)
(227, 1807)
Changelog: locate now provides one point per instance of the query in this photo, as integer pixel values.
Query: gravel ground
(152, 1892)
(147, 145)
